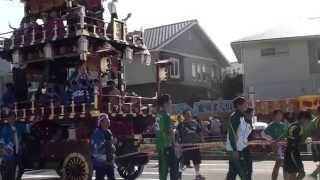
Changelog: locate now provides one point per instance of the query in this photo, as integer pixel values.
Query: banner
(179, 108)
(309, 102)
(223, 106)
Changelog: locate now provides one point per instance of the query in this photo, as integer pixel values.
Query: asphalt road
(213, 170)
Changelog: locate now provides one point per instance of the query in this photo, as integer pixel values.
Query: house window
(175, 68)
(204, 73)
(274, 51)
(194, 70)
(213, 75)
(268, 52)
(199, 72)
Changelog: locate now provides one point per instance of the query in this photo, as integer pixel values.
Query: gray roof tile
(157, 36)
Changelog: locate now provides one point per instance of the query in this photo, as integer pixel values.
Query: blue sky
(223, 20)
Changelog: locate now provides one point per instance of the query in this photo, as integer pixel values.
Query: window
(274, 51)
(268, 52)
(199, 72)
(194, 70)
(204, 73)
(175, 69)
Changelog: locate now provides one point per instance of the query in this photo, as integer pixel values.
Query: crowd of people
(179, 144)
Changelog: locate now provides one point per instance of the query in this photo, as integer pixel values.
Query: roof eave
(238, 45)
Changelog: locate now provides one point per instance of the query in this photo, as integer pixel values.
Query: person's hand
(236, 155)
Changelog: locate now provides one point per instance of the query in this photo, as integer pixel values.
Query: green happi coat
(166, 153)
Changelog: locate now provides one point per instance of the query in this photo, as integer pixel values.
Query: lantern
(83, 44)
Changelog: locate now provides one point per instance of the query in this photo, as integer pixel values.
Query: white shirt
(242, 135)
(112, 8)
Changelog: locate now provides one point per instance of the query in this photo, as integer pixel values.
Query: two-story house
(283, 61)
(196, 60)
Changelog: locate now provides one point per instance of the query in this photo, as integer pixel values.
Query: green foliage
(216, 88)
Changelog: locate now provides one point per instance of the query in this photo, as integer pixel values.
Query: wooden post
(32, 108)
(140, 105)
(44, 36)
(83, 113)
(24, 116)
(16, 110)
(67, 32)
(95, 31)
(22, 40)
(62, 112)
(51, 117)
(95, 111)
(55, 31)
(120, 105)
(150, 109)
(82, 17)
(158, 80)
(72, 114)
(110, 108)
(12, 41)
(42, 111)
(33, 40)
(104, 31)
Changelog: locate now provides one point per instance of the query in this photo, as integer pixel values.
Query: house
(233, 70)
(282, 62)
(196, 60)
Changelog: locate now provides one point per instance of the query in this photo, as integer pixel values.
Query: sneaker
(200, 177)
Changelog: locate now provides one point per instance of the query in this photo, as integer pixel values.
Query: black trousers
(8, 169)
(242, 167)
(108, 171)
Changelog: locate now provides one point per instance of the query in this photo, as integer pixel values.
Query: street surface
(213, 170)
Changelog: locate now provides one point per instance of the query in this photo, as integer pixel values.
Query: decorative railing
(75, 23)
(124, 106)
(128, 105)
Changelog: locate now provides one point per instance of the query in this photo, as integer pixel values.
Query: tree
(232, 86)
(216, 88)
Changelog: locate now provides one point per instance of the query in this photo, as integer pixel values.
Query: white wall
(277, 76)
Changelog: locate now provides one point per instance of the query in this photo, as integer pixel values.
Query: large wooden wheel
(77, 167)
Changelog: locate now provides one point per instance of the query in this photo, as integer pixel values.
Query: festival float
(61, 44)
